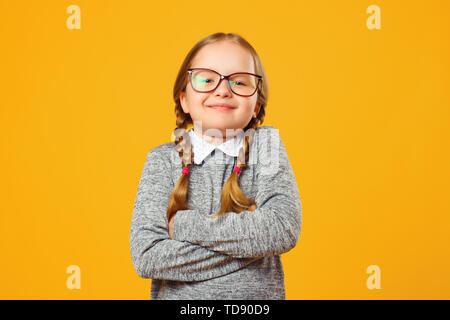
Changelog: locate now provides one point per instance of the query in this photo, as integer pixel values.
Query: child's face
(225, 57)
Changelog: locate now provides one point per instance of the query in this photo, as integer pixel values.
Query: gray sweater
(235, 256)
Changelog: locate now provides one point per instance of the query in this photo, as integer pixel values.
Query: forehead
(225, 57)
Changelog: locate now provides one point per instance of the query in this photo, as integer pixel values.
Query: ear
(183, 102)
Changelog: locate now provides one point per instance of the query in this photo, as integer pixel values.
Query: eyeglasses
(243, 84)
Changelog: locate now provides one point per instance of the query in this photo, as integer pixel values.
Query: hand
(252, 208)
(170, 227)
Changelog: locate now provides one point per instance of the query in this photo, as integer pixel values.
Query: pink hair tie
(185, 171)
(237, 169)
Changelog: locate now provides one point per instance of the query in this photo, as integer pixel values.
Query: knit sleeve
(272, 229)
(154, 254)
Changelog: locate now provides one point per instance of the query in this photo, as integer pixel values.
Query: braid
(184, 147)
(178, 197)
(232, 197)
(245, 150)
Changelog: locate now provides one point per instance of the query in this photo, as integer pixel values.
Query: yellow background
(364, 115)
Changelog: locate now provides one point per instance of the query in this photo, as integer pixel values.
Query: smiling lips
(221, 107)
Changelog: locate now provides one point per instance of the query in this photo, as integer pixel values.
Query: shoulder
(266, 131)
(163, 149)
(267, 127)
(266, 136)
(164, 152)
(269, 152)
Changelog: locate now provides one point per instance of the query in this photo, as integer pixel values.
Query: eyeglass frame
(222, 77)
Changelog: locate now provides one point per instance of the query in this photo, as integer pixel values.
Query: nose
(223, 88)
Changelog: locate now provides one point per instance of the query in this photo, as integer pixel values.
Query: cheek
(247, 106)
(196, 100)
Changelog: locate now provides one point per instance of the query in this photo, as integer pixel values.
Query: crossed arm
(201, 248)
(252, 208)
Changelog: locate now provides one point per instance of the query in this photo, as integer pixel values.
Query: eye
(238, 83)
(202, 79)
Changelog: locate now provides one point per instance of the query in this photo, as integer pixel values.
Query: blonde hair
(232, 197)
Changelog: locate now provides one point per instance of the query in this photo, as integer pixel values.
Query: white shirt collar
(202, 149)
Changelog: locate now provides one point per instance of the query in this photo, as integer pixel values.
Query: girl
(202, 227)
